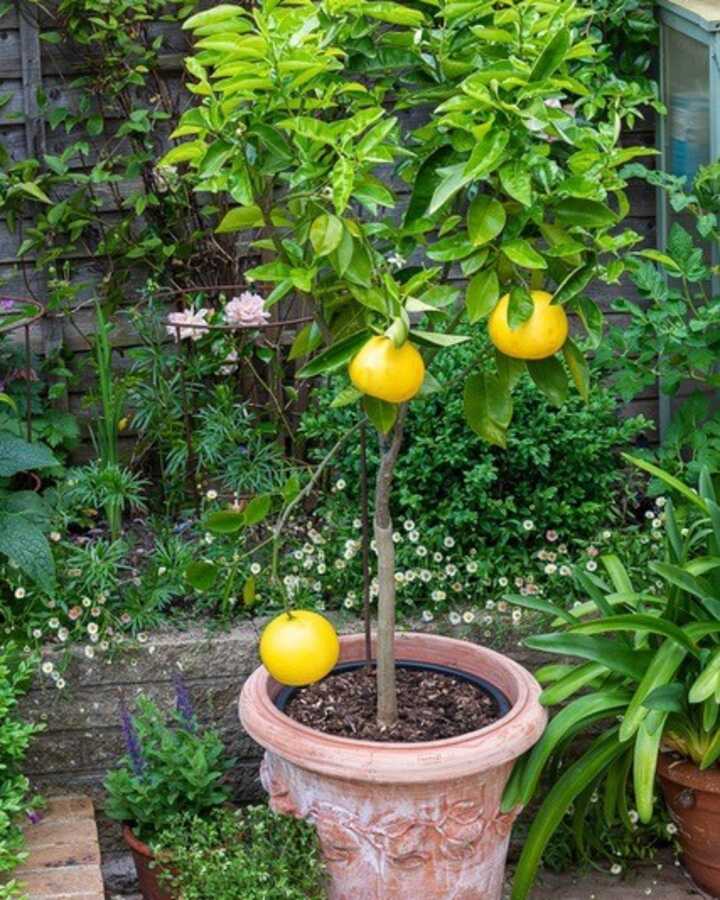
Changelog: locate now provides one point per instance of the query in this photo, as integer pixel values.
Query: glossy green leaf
(485, 219)
(225, 521)
(550, 378)
(335, 357)
(326, 233)
(240, 219)
(578, 368)
(382, 415)
(483, 292)
(522, 253)
(201, 575)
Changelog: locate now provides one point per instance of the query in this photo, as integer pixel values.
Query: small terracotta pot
(148, 875)
(402, 821)
(693, 798)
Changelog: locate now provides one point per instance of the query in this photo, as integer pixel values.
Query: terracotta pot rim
(682, 771)
(500, 742)
(135, 843)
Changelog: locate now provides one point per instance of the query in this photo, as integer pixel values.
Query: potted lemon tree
(372, 156)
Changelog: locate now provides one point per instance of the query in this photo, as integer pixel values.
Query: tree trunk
(386, 691)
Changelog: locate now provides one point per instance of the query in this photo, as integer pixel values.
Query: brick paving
(64, 854)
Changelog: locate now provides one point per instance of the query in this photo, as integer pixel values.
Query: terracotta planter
(693, 798)
(402, 821)
(148, 876)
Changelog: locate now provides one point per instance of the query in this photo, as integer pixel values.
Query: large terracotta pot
(402, 821)
(693, 798)
(147, 868)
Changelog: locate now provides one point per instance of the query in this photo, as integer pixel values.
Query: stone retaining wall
(83, 738)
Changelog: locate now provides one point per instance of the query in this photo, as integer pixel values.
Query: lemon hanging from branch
(390, 373)
(541, 335)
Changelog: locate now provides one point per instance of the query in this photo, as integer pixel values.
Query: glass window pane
(687, 85)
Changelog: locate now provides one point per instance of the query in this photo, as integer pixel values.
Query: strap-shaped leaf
(573, 718)
(647, 747)
(637, 622)
(617, 657)
(661, 670)
(601, 755)
(571, 683)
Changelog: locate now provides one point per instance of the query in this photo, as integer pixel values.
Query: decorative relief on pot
(453, 831)
(272, 779)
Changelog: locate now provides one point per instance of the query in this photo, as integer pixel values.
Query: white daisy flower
(454, 618)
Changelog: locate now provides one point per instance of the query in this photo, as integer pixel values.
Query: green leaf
(394, 13)
(522, 253)
(592, 318)
(707, 682)
(201, 575)
(516, 181)
(660, 671)
(485, 219)
(578, 367)
(17, 455)
(326, 233)
(712, 753)
(240, 219)
(257, 509)
(550, 378)
(520, 307)
(24, 544)
(34, 191)
(636, 622)
(599, 757)
(647, 747)
(348, 395)
(584, 213)
(612, 654)
(438, 338)
(574, 717)
(225, 521)
(487, 408)
(551, 57)
(336, 356)
(273, 271)
(306, 340)
(482, 295)
(574, 284)
(669, 480)
(569, 684)
(426, 181)
(341, 180)
(451, 248)
(221, 13)
(380, 413)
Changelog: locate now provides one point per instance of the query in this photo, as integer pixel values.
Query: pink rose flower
(246, 311)
(187, 320)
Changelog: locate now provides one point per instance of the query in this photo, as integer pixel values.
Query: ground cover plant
(251, 851)
(16, 670)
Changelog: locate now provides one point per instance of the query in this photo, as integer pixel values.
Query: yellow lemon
(540, 336)
(390, 373)
(300, 647)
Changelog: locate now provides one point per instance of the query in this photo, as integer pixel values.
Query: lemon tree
(406, 170)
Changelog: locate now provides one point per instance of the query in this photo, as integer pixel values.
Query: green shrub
(252, 853)
(15, 736)
(168, 770)
(560, 471)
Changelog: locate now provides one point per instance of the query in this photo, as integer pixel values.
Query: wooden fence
(27, 64)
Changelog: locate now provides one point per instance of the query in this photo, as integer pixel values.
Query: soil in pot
(432, 706)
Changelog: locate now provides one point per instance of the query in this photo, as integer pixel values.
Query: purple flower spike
(7, 304)
(132, 741)
(183, 704)
(34, 816)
